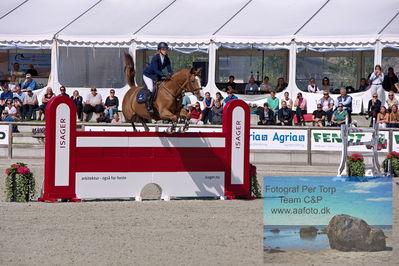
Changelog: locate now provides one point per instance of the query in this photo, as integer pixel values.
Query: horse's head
(194, 83)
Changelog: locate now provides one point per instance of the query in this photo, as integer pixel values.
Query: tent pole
(292, 68)
(211, 67)
(54, 65)
(377, 53)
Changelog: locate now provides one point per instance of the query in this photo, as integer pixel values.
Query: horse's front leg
(146, 128)
(173, 118)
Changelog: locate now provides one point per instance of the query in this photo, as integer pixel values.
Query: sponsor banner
(237, 146)
(130, 184)
(330, 140)
(152, 129)
(4, 134)
(395, 141)
(62, 147)
(278, 139)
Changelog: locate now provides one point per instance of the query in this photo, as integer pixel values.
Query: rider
(153, 72)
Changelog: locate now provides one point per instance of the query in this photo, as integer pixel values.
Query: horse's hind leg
(144, 124)
(134, 127)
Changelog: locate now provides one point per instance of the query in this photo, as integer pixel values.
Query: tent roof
(193, 22)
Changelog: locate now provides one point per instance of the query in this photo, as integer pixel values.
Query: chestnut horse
(168, 104)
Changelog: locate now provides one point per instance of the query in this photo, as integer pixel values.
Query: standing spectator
(376, 80)
(363, 85)
(219, 97)
(46, 98)
(63, 92)
(7, 94)
(31, 70)
(319, 116)
(231, 85)
(273, 102)
(346, 100)
(29, 106)
(208, 105)
(116, 119)
(111, 104)
(29, 83)
(285, 115)
(217, 113)
(391, 100)
(287, 99)
(340, 116)
(325, 84)
(327, 105)
(373, 108)
(93, 103)
(251, 87)
(266, 116)
(196, 115)
(265, 86)
(394, 117)
(301, 108)
(281, 84)
(78, 100)
(389, 80)
(230, 96)
(383, 117)
(312, 87)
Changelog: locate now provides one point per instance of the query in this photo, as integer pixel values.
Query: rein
(177, 96)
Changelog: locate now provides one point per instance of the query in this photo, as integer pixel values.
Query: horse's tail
(129, 70)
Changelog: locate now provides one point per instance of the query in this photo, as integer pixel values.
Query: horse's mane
(129, 70)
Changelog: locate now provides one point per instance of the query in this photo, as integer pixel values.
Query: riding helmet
(162, 45)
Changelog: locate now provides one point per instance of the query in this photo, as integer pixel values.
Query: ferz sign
(81, 164)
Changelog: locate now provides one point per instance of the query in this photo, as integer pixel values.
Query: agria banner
(278, 139)
(395, 141)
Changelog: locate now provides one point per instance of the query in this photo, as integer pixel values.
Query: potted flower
(391, 163)
(356, 165)
(255, 190)
(20, 183)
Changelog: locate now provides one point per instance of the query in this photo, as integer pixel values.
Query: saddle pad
(142, 95)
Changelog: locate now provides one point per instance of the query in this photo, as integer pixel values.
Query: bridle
(180, 88)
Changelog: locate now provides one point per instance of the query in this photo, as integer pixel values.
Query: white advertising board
(278, 139)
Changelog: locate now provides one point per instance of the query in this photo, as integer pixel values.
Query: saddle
(144, 93)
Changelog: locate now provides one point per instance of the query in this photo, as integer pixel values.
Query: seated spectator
(5, 95)
(19, 94)
(265, 86)
(301, 108)
(29, 106)
(373, 108)
(273, 102)
(287, 99)
(13, 83)
(217, 113)
(346, 100)
(363, 85)
(390, 80)
(266, 115)
(12, 111)
(116, 119)
(312, 87)
(63, 92)
(383, 117)
(319, 116)
(102, 118)
(93, 103)
(78, 100)
(219, 97)
(327, 104)
(196, 115)
(31, 70)
(325, 84)
(16, 71)
(186, 102)
(285, 115)
(111, 104)
(18, 105)
(251, 87)
(29, 83)
(281, 85)
(394, 117)
(391, 100)
(5, 117)
(208, 102)
(340, 116)
(230, 96)
(231, 85)
(46, 98)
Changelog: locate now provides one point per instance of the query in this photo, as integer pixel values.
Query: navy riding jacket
(154, 70)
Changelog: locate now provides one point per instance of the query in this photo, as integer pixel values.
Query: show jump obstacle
(87, 165)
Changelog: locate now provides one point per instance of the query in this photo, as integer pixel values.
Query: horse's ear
(196, 72)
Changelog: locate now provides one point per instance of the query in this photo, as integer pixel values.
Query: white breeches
(149, 83)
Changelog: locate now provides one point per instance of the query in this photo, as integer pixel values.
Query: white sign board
(4, 134)
(278, 139)
(330, 140)
(152, 129)
(395, 141)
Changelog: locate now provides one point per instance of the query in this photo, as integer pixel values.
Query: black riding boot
(148, 103)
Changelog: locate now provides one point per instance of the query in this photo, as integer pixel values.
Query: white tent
(288, 24)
